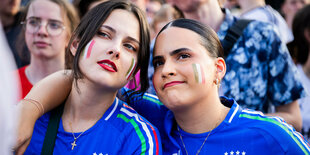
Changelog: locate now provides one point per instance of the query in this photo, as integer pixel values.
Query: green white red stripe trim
(294, 135)
(144, 127)
(137, 129)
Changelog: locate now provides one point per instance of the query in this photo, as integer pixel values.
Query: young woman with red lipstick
(107, 48)
(48, 25)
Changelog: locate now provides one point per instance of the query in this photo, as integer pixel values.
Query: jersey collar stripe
(152, 100)
(146, 130)
(137, 129)
(298, 141)
(151, 95)
(253, 112)
(234, 113)
(111, 113)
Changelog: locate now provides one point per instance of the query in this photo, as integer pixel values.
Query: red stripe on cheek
(90, 48)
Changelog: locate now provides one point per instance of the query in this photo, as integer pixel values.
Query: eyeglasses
(53, 27)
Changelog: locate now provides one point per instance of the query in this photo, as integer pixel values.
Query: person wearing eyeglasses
(48, 25)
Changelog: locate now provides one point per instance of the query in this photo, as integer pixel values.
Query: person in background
(300, 49)
(151, 9)
(11, 16)
(260, 71)
(48, 25)
(83, 6)
(258, 10)
(163, 16)
(231, 5)
(289, 9)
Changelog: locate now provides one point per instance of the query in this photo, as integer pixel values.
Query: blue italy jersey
(260, 71)
(120, 131)
(243, 132)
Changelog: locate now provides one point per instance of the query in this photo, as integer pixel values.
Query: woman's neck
(40, 68)
(86, 105)
(248, 5)
(208, 13)
(202, 117)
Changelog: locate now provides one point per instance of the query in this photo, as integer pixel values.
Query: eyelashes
(179, 57)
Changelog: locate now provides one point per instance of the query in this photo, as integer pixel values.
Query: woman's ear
(74, 46)
(220, 67)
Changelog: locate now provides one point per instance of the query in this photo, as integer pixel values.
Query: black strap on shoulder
(51, 131)
(233, 34)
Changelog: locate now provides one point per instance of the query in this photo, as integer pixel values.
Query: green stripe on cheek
(131, 68)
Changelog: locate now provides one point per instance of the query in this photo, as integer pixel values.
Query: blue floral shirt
(260, 71)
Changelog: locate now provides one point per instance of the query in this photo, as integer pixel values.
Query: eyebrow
(35, 17)
(114, 31)
(110, 28)
(174, 52)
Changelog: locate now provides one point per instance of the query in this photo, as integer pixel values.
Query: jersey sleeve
(287, 138)
(141, 137)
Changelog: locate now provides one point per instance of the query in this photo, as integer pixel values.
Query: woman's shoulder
(256, 119)
(130, 117)
(137, 131)
(272, 129)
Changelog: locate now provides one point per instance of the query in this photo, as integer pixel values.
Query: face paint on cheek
(198, 73)
(131, 68)
(87, 49)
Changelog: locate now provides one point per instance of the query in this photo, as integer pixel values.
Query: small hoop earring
(217, 82)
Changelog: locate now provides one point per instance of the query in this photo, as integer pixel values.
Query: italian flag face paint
(198, 72)
(87, 49)
(131, 69)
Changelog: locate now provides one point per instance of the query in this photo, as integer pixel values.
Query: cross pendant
(73, 144)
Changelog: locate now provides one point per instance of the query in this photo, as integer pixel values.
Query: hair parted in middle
(209, 39)
(90, 25)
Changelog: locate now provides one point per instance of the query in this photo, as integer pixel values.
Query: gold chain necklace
(75, 138)
(200, 146)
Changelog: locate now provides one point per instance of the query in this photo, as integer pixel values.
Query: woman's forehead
(176, 37)
(46, 9)
(124, 21)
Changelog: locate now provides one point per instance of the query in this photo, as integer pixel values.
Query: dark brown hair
(209, 39)
(90, 25)
(299, 47)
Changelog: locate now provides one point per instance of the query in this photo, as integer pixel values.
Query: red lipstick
(172, 83)
(107, 65)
